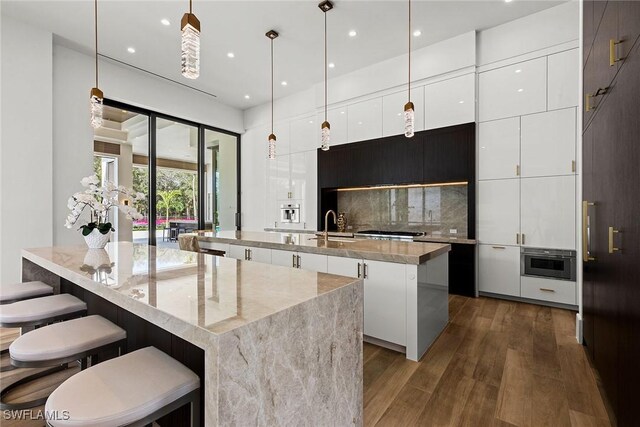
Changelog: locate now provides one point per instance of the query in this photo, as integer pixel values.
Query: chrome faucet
(326, 224)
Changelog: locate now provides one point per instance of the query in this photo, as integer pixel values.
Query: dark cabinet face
(447, 157)
(588, 29)
(628, 26)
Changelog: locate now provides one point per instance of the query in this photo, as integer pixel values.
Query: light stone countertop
(191, 295)
(446, 239)
(375, 250)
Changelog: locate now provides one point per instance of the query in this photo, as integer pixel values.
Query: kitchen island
(405, 283)
(272, 345)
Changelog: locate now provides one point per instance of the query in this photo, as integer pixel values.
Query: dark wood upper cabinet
(449, 154)
(628, 28)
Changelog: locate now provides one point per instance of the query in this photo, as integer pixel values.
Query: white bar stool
(20, 291)
(58, 344)
(131, 390)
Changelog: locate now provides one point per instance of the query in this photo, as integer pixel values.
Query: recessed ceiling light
(165, 21)
(508, 1)
(231, 55)
(520, 90)
(247, 97)
(311, 122)
(417, 33)
(399, 114)
(359, 123)
(518, 71)
(341, 112)
(353, 33)
(283, 83)
(131, 50)
(460, 102)
(332, 65)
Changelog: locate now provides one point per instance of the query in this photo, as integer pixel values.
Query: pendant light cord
(95, 21)
(190, 7)
(409, 83)
(325, 66)
(272, 86)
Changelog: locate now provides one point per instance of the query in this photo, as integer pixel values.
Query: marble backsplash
(434, 210)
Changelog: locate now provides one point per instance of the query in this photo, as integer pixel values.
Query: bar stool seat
(39, 310)
(133, 389)
(64, 340)
(19, 291)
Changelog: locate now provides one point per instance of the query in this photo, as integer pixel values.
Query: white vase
(97, 240)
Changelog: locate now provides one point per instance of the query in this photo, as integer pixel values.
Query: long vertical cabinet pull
(365, 270)
(523, 238)
(359, 270)
(293, 262)
(518, 238)
(612, 248)
(297, 261)
(586, 232)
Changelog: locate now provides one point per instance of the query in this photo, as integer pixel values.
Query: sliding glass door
(188, 172)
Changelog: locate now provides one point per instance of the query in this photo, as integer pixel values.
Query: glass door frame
(152, 164)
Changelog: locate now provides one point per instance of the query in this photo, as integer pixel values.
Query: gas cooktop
(390, 235)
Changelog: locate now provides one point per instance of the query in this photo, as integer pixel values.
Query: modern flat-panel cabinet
(548, 143)
(393, 111)
(499, 149)
(309, 208)
(365, 120)
(385, 296)
(304, 134)
(499, 269)
(514, 90)
(562, 89)
(301, 260)
(547, 212)
(247, 253)
(499, 212)
(450, 102)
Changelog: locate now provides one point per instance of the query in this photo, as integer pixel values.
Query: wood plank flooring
(498, 363)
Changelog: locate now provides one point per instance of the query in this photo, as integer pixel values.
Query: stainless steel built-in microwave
(548, 263)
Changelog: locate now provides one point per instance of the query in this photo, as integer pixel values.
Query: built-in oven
(548, 263)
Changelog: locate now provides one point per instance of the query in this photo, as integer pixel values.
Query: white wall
(26, 144)
(46, 137)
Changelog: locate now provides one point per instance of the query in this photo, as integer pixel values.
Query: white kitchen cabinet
(349, 267)
(301, 260)
(563, 87)
(548, 143)
(385, 301)
(499, 269)
(365, 120)
(385, 304)
(450, 102)
(499, 211)
(255, 178)
(247, 253)
(338, 119)
(309, 204)
(548, 212)
(514, 90)
(304, 134)
(499, 149)
(297, 176)
(393, 111)
(560, 291)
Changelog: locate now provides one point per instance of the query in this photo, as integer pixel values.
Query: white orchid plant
(100, 200)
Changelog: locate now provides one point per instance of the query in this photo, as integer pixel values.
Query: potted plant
(100, 200)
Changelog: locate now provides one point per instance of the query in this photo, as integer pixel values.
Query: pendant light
(190, 44)
(325, 129)
(96, 97)
(272, 35)
(409, 110)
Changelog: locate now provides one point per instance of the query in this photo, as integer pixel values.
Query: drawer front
(223, 247)
(560, 291)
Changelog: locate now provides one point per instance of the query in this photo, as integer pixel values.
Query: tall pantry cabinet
(611, 200)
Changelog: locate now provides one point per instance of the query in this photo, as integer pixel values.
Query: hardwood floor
(498, 363)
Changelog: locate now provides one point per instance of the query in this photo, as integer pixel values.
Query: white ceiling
(238, 26)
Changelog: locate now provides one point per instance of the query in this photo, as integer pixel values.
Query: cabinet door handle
(523, 238)
(547, 290)
(573, 165)
(587, 102)
(498, 247)
(518, 238)
(365, 270)
(586, 232)
(359, 270)
(612, 52)
(517, 170)
(250, 254)
(297, 261)
(293, 264)
(612, 248)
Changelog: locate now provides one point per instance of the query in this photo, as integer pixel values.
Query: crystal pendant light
(272, 35)
(325, 128)
(409, 110)
(190, 44)
(96, 96)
